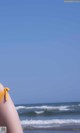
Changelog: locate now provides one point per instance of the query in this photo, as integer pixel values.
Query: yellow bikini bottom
(4, 93)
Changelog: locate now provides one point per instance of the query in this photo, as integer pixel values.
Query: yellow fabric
(4, 93)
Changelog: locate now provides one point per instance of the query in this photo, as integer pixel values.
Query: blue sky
(40, 50)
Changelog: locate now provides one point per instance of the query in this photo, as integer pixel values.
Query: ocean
(50, 118)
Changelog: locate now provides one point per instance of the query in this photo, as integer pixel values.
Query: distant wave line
(44, 107)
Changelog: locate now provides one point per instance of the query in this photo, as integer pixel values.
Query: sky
(40, 50)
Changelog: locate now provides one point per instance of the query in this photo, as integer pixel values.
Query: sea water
(50, 118)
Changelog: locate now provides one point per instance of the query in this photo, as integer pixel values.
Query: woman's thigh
(9, 116)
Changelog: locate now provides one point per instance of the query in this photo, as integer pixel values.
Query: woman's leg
(9, 115)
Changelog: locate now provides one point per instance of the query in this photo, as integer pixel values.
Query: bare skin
(9, 116)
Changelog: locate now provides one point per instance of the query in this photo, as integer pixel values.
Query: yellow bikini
(4, 93)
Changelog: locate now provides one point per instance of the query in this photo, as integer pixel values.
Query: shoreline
(51, 131)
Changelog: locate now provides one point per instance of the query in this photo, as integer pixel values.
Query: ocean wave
(39, 112)
(47, 110)
(20, 107)
(45, 107)
(50, 124)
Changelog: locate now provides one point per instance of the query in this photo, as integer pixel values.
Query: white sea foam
(45, 107)
(39, 112)
(64, 108)
(50, 123)
(20, 107)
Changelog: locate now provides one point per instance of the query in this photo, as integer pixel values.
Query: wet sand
(50, 131)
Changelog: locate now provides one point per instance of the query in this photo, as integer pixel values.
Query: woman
(8, 114)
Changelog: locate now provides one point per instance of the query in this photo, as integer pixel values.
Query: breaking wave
(43, 107)
(51, 124)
